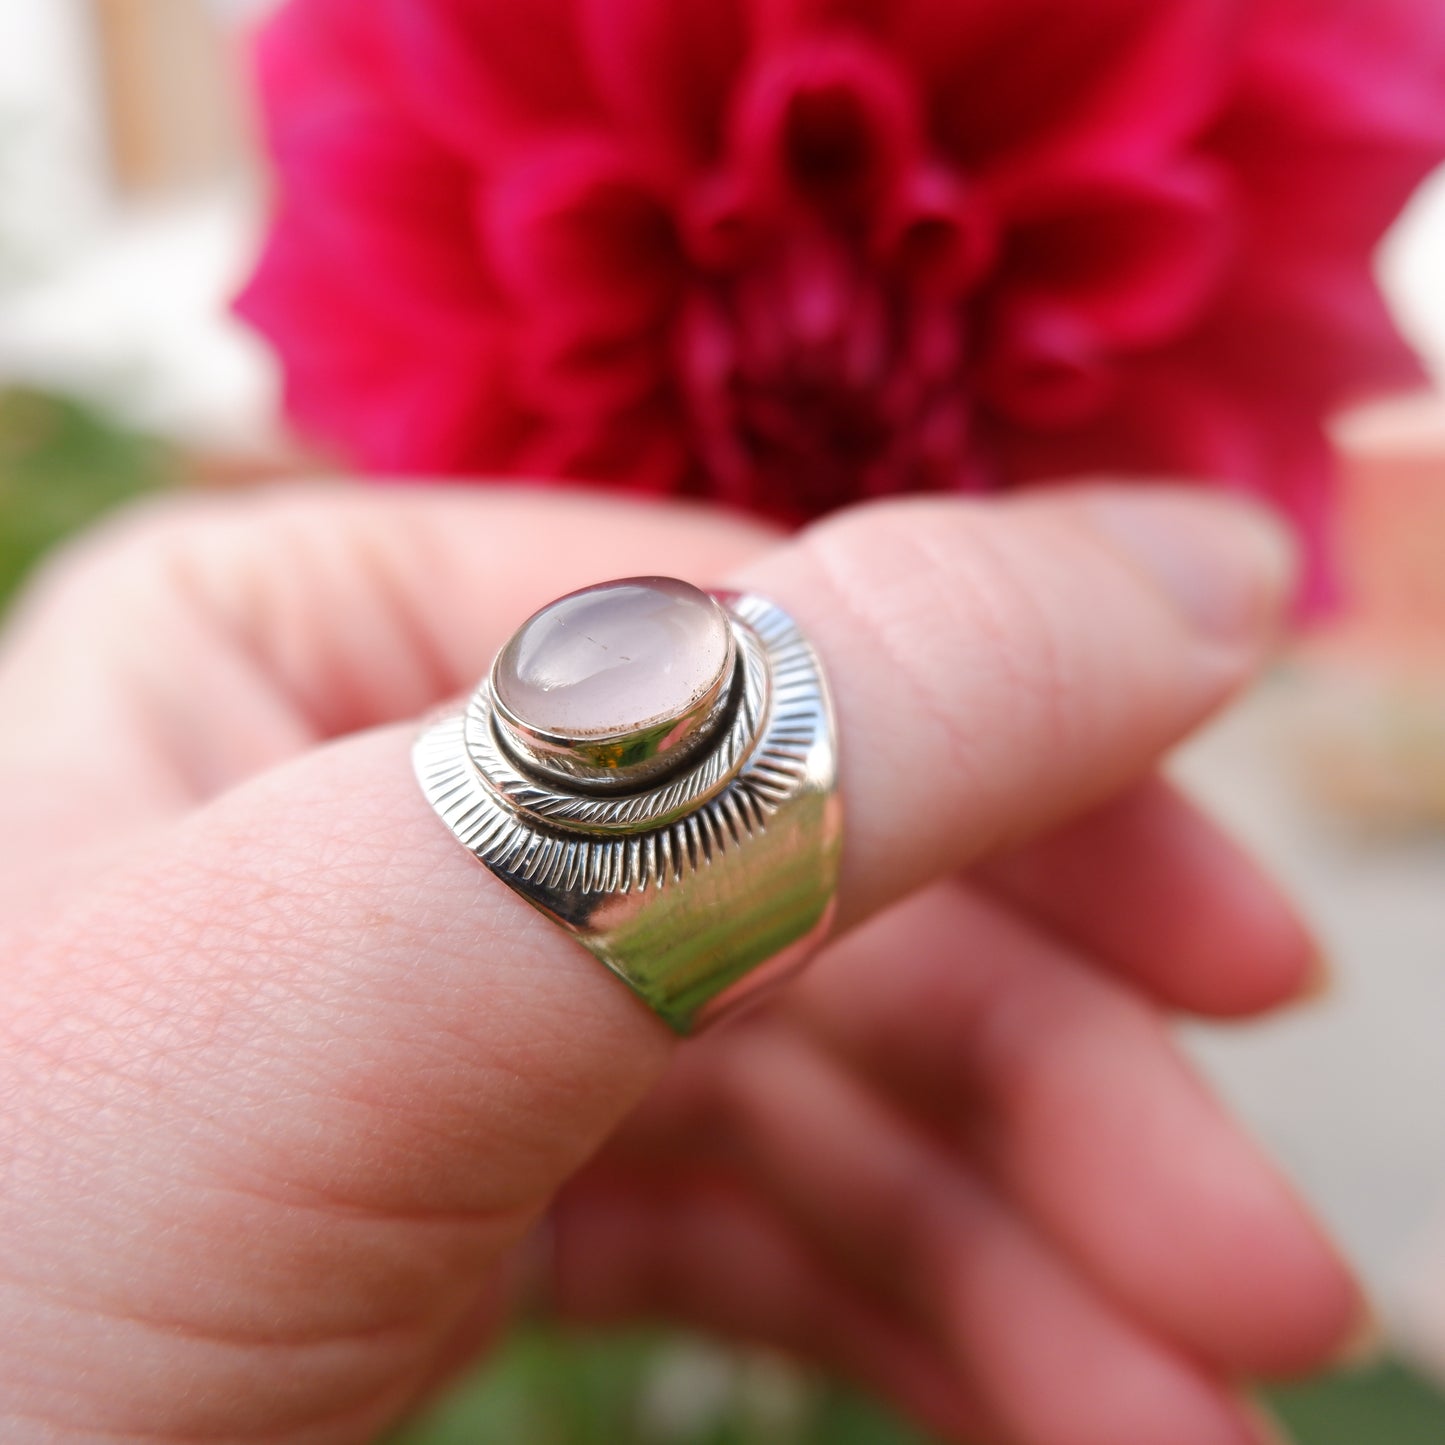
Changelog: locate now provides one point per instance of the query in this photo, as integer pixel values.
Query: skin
(287, 1081)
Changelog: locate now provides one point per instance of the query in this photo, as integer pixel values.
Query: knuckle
(121, 575)
(239, 568)
(155, 538)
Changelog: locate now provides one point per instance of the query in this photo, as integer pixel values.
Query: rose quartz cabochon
(614, 659)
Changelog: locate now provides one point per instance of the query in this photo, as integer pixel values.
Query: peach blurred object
(172, 94)
(1369, 719)
(1420, 1315)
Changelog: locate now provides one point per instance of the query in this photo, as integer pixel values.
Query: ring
(654, 767)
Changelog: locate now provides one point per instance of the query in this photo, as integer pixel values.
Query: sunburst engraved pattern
(633, 812)
(544, 840)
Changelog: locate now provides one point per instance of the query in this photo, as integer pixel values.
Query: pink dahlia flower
(791, 253)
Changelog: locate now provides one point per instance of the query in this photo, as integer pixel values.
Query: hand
(287, 1078)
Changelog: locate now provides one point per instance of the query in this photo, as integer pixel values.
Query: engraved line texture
(526, 831)
(632, 812)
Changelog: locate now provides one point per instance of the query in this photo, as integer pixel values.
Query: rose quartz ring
(654, 767)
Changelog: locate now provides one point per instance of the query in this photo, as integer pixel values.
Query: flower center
(810, 374)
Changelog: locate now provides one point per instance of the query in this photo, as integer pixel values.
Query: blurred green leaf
(1385, 1406)
(61, 465)
(549, 1387)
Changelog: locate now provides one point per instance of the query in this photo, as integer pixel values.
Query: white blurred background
(128, 210)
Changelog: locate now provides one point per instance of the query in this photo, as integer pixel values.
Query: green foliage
(549, 1387)
(1385, 1406)
(62, 464)
(553, 1388)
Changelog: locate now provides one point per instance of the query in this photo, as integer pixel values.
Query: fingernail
(1227, 566)
(1267, 1427)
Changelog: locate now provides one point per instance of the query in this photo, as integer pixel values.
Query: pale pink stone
(615, 658)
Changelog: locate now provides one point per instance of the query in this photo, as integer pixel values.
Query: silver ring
(655, 768)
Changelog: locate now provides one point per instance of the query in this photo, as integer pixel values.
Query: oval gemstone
(619, 658)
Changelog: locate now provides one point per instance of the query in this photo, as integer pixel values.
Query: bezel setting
(621, 759)
(696, 887)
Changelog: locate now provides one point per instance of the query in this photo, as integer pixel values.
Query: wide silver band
(696, 889)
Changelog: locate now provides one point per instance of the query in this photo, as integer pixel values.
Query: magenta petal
(723, 226)
(828, 123)
(665, 69)
(312, 57)
(1038, 83)
(1163, 423)
(486, 75)
(1046, 368)
(569, 371)
(1134, 257)
(641, 450)
(576, 229)
(1314, 336)
(938, 232)
(780, 23)
(1340, 68)
(1171, 422)
(389, 211)
(386, 397)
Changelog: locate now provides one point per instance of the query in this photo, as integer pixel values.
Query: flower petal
(1175, 422)
(388, 210)
(388, 397)
(1339, 68)
(1316, 335)
(1335, 123)
(373, 192)
(310, 57)
(488, 75)
(642, 449)
(1037, 84)
(829, 124)
(588, 255)
(1133, 257)
(938, 234)
(804, 250)
(1045, 368)
(574, 229)
(666, 70)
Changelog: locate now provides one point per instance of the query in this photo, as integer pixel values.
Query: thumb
(322, 1069)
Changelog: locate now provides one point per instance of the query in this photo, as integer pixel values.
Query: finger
(1001, 668)
(203, 640)
(307, 990)
(1070, 1093)
(1052, 1361)
(319, 613)
(288, 1135)
(708, 1254)
(1156, 891)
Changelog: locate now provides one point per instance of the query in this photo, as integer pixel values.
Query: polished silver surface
(697, 885)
